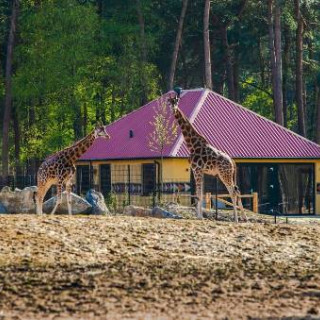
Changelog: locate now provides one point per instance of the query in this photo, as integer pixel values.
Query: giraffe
(204, 158)
(59, 168)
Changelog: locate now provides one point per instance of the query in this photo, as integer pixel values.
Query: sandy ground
(118, 267)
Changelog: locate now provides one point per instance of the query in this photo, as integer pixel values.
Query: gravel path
(118, 267)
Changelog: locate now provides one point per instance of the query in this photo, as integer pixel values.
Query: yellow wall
(178, 170)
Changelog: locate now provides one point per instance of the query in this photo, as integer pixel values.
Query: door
(105, 179)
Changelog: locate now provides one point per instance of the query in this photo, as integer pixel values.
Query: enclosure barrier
(209, 197)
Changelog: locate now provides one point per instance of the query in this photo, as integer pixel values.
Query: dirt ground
(119, 267)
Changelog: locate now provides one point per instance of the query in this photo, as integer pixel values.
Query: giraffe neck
(74, 152)
(192, 138)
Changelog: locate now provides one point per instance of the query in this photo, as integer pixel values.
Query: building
(283, 167)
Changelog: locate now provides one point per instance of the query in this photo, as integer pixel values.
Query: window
(282, 188)
(148, 179)
(84, 178)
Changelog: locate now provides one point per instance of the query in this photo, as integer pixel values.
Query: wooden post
(208, 201)
(255, 202)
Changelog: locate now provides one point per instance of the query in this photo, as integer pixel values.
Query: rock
(6, 189)
(137, 211)
(78, 204)
(96, 200)
(183, 211)
(161, 213)
(18, 201)
(155, 212)
(3, 208)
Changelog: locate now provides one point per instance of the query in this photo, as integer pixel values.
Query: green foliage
(78, 63)
(258, 100)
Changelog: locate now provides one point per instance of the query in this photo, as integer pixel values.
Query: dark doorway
(84, 178)
(105, 179)
(148, 178)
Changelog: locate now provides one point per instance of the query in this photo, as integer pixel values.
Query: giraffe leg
(59, 197)
(68, 189)
(233, 196)
(241, 207)
(39, 201)
(198, 177)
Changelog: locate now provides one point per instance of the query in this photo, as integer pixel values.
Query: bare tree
(206, 42)
(8, 90)
(164, 132)
(276, 59)
(177, 44)
(299, 69)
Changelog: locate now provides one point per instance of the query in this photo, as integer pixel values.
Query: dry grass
(121, 267)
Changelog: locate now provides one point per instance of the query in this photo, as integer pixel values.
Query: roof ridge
(193, 115)
(266, 119)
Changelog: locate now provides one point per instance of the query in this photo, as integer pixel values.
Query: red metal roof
(228, 127)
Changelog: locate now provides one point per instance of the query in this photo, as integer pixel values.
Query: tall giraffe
(59, 168)
(204, 158)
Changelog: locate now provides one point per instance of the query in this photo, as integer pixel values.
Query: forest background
(66, 64)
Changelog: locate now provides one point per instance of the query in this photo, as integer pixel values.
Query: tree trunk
(143, 46)
(261, 64)
(236, 77)
(276, 60)
(278, 71)
(177, 45)
(299, 70)
(286, 64)
(228, 62)
(317, 94)
(17, 139)
(85, 119)
(206, 41)
(8, 90)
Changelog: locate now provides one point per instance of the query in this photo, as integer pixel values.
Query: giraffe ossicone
(205, 159)
(59, 168)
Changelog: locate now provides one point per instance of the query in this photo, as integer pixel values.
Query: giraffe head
(174, 101)
(101, 131)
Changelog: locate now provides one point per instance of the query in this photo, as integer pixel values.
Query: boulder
(96, 200)
(185, 212)
(137, 211)
(18, 201)
(3, 208)
(161, 213)
(78, 204)
(156, 212)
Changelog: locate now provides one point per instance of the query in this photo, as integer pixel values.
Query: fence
(137, 184)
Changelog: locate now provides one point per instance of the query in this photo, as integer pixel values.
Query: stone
(185, 212)
(136, 211)
(3, 208)
(96, 200)
(19, 201)
(78, 204)
(158, 212)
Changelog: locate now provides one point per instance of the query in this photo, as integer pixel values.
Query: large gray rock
(78, 204)
(137, 211)
(18, 201)
(156, 212)
(162, 213)
(3, 208)
(96, 200)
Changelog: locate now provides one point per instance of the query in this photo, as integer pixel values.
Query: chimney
(131, 133)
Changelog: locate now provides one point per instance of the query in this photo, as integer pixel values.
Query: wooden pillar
(208, 201)
(255, 202)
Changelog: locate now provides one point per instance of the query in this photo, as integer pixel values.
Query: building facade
(281, 166)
